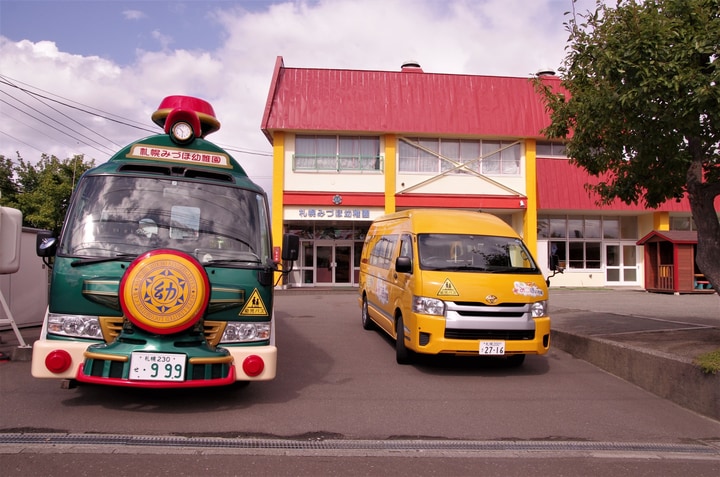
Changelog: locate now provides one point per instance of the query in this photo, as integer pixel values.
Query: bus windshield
(474, 253)
(115, 216)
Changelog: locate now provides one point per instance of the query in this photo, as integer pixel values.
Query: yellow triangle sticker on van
(254, 305)
(448, 289)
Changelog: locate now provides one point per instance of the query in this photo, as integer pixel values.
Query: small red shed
(670, 262)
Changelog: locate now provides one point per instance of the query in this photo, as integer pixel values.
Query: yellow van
(453, 281)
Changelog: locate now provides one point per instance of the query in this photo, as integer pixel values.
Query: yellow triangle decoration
(254, 305)
(448, 289)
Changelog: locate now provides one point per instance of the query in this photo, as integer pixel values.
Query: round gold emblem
(164, 291)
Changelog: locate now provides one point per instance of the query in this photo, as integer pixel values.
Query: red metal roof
(672, 236)
(561, 186)
(406, 102)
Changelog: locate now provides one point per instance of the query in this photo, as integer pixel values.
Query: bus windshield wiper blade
(232, 261)
(88, 261)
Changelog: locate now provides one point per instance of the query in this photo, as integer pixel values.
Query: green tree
(8, 188)
(44, 189)
(641, 107)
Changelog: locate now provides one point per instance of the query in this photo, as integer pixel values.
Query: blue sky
(83, 77)
(116, 29)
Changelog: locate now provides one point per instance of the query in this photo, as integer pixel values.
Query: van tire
(515, 360)
(402, 354)
(367, 322)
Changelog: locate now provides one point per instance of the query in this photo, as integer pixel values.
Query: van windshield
(121, 216)
(485, 253)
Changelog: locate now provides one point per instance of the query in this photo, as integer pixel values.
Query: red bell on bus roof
(198, 113)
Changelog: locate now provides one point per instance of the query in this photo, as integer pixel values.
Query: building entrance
(333, 262)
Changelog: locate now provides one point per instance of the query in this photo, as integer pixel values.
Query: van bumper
(438, 344)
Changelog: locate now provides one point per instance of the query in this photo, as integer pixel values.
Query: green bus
(164, 271)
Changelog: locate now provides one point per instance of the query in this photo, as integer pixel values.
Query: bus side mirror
(290, 247)
(45, 244)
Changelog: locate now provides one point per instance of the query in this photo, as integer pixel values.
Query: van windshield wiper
(88, 261)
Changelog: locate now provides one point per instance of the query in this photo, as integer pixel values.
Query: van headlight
(428, 306)
(77, 326)
(244, 332)
(539, 308)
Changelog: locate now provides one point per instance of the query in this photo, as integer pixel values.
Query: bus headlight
(244, 332)
(78, 326)
(428, 306)
(539, 308)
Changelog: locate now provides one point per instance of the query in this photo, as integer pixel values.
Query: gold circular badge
(164, 291)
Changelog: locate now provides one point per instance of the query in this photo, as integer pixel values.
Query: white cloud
(134, 15)
(164, 40)
(492, 37)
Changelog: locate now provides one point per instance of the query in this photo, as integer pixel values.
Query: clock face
(182, 131)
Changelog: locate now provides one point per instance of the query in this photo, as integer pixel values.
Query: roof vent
(545, 72)
(412, 67)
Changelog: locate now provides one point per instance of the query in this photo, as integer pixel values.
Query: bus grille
(111, 327)
(102, 368)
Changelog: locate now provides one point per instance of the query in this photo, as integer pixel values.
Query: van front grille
(509, 335)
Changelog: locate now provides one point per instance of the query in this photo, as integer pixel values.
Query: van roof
(452, 221)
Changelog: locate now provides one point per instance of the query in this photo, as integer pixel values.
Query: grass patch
(709, 363)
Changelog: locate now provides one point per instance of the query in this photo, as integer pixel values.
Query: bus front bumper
(59, 359)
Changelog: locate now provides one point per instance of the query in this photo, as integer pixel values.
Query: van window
(406, 246)
(474, 253)
(382, 252)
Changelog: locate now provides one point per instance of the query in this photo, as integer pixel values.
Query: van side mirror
(554, 263)
(403, 265)
(290, 247)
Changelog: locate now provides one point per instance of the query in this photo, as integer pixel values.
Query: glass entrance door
(333, 262)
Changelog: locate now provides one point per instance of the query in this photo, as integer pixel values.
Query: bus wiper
(88, 261)
(225, 261)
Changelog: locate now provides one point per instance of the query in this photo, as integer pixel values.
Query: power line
(20, 141)
(56, 121)
(48, 124)
(124, 122)
(37, 98)
(4, 79)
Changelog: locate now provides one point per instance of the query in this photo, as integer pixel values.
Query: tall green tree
(44, 189)
(8, 188)
(641, 107)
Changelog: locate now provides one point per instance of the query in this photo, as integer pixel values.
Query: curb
(669, 377)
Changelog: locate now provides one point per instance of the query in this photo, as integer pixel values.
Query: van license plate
(492, 348)
(157, 366)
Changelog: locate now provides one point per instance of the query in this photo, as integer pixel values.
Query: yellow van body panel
(481, 304)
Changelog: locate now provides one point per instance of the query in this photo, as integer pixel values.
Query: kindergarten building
(351, 145)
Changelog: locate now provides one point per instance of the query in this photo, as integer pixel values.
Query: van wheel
(515, 360)
(402, 354)
(367, 323)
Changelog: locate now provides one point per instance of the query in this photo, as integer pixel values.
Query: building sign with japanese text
(332, 213)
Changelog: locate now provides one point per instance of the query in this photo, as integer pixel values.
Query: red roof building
(351, 145)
